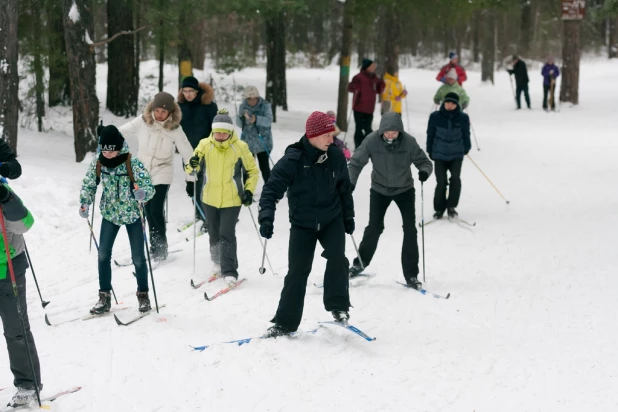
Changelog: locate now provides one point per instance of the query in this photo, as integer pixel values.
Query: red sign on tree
(573, 9)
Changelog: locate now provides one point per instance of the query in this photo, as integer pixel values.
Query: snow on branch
(122, 33)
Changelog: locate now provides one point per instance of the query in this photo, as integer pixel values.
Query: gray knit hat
(251, 91)
(163, 100)
(223, 122)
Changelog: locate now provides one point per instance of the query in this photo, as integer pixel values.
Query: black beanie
(366, 63)
(452, 97)
(111, 139)
(190, 81)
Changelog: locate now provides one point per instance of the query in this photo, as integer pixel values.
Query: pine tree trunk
(185, 57)
(161, 48)
(393, 37)
(571, 43)
(122, 89)
(344, 64)
(276, 88)
(476, 37)
(488, 46)
(59, 87)
(77, 25)
(137, 39)
(198, 44)
(9, 78)
(525, 29)
(612, 44)
(39, 87)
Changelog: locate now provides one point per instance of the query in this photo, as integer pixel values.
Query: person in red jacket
(366, 85)
(461, 72)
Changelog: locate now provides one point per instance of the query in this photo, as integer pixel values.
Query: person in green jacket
(451, 86)
(126, 186)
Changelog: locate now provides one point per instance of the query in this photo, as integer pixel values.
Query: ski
(352, 277)
(351, 328)
(135, 319)
(425, 291)
(459, 220)
(241, 342)
(129, 262)
(185, 227)
(86, 317)
(200, 233)
(202, 283)
(428, 222)
(45, 399)
(224, 290)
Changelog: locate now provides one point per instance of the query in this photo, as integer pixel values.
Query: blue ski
(241, 342)
(425, 292)
(351, 328)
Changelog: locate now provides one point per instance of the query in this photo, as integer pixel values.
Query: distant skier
(336, 140)
(521, 81)
(448, 141)
(550, 73)
(452, 64)
(119, 173)
(225, 157)
(392, 151)
(451, 86)
(315, 175)
(394, 92)
(18, 221)
(366, 85)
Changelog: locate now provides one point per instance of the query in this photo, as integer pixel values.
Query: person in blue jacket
(550, 72)
(448, 141)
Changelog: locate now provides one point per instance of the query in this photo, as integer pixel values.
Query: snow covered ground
(530, 326)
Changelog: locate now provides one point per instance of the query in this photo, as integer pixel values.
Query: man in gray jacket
(392, 151)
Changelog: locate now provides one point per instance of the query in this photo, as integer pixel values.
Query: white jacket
(157, 142)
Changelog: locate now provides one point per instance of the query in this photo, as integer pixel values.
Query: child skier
(126, 186)
(449, 86)
(336, 141)
(225, 156)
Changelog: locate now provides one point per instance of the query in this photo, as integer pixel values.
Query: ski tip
(47, 320)
(448, 295)
(199, 348)
(45, 303)
(192, 284)
(118, 321)
(206, 296)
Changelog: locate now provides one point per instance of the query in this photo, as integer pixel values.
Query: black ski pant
(13, 333)
(440, 201)
(378, 204)
(155, 212)
(222, 233)
(547, 91)
(519, 90)
(363, 127)
(264, 164)
(199, 189)
(300, 260)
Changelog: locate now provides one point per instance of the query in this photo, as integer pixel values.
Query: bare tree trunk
(59, 87)
(39, 87)
(571, 43)
(276, 88)
(78, 31)
(344, 64)
(476, 37)
(197, 44)
(161, 48)
(137, 39)
(526, 29)
(489, 46)
(612, 44)
(122, 89)
(185, 57)
(9, 78)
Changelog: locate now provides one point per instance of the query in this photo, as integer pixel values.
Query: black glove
(349, 225)
(194, 162)
(190, 189)
(266, 229)
(247, 198)
(4, 193)
(423, 175)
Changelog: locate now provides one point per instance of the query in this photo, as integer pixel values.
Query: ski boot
(452, 213)
(438, 214)
(355, 270)
(229, 279)
(103, 305)
(144, 301)
(23, 397)
(341, 316)
(216, 269)
(414, 283)
(275, 331)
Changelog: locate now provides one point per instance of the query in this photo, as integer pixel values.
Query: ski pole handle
(262, 269)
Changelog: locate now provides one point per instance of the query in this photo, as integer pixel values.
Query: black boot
(103, 305)
(414, 283)
(144, 302)
(341, 316)
(438, 214)
(452, 212)
(275, 331)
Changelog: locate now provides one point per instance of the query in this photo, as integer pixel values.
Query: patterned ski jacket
(18, 221)
(251, 132)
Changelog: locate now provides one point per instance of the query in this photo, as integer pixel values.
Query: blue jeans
(106, 243)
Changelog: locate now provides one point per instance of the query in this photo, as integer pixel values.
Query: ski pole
(94, 202)
(9, 261)
(423, 228)
(44, 303)
(490, 182)
(474, 134)
(347, 126)
(262, 270)
(513, 90)
(357, 254)
(97, 245)
(407, 113)
(262, 243)
(264, 144)
(140, 206)
(195, 224)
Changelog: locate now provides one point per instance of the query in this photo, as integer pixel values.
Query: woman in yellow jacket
(393, 93)
(225, 157)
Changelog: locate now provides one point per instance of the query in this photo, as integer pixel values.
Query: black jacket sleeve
(344, 187)
(10, 166)
(465, 129)
(273, 191)
(212, 112)
(431, 133)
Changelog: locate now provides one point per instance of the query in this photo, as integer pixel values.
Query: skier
(394, 91)
(392, 151)
(365, 86)
(255, 117)
(196, 101)
(550, 72)
(451, 86)
(126, 185)
(452, 64)
(521, 81)
(448, 140)
(9, 166)
(336, 140)
(321, 208)
(18, 221)
(159, 133)
(225, 157)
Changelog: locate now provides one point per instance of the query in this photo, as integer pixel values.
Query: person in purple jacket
(550, 72)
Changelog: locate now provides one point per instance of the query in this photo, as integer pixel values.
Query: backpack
(129, 171)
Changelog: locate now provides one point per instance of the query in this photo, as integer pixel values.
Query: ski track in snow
(530, 326)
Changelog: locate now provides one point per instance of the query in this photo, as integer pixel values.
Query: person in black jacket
(521, 81)
(196, 101)
(9, 166)
(314, 173)
(448, 141)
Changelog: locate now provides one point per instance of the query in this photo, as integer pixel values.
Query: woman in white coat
(159, 133)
